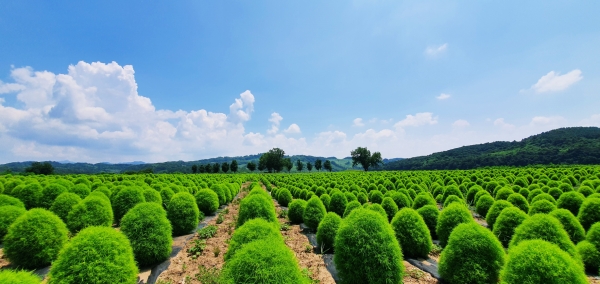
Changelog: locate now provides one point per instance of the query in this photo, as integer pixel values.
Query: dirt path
(3, 261)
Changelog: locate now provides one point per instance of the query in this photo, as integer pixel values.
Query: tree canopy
(363, 157)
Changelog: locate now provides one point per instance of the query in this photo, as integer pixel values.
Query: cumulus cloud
(547, 120)
(433, 51)
(275, 122)
(358, 122)
(554, 82)
(419, 119)
(593, 120)
(503, 125)
(461, 123)
(443, 96)
(293, 129)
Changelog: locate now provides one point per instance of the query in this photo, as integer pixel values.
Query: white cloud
(358, 122)
(419, 119)
(554, 82)
(10, 87)
(503, 125)
(593, 120)
(443, 96)
(293, 129)
(461, 123)
(275, 122)
(547, 120)
(436, 50)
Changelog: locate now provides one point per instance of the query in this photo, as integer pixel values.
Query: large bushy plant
(253, 230)
(207, 201)
(543, 227)
(64, 204)
(449, 218)
(570, 223)
(314, 212)
(8, 214)
(589, 212)
(183, 213)
(327, 230)
(18, 277)
(149, 232)
(412, 233)
(91, 211)
(430, 214)
(126, 199)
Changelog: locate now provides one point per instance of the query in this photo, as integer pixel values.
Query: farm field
(507, 225)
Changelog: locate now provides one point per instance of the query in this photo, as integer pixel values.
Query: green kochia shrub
(80, 189)
(377, 208)
(314, 212)
(166, 194)
(35, 238)
(362, 198)
(376, 196)
(366, 250)
(543, 227)
(126, 199)
(483, 204)
(149, 231)
(30, 194)
(8, 214)
(50, 193)
(326, 199)
(494, 211)
(589, 213)
(593, 235)
(284, 197)
(473, 255)
(541, 206)
(570, 223)
(430, 215)
(95, 255)
(91, 211)
(207, 201)
(18, 277)
(183, 213)
(544, 196)
(151, 195)
(9, 200)
(423, 199)
(338, 203)
(63, 204)
(253, 230)
(412, 233)
(452, 199)
(449, 218)
(262, 261)
(519, 201)
(351, 206)
(390, 207)
(327, 230)
(402, 200)
(506, 223)
(256, 206)
(590, 256)
(221, 193)
(296, 210)
(451, 190)
(538, 261)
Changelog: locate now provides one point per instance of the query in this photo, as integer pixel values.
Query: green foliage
(256, 206)
(351, 206)
(390, 207)
(494, 211)
(543, 227)
(151, 195)
(166, 194)
(95, 255)
(296, 211)
(484, 203)
(34, 239)
(412, 233)
(363, 157)
(453, 199)
(91, 211)
(126, 199)
(183, 213)
(402, 200)
(375, 196)
(338, 203)
(8, 214)
(326, 199)
(366, 250)
(471, 194)
(253, 230)
(538, 261)
(506, 223)
(314, 212)
(220, 193)
(570, 224)
(64, 203)
(593, 235)
(9, 200)
(451, 190)
(449, 218)
(80, 189)
(519, 201)
(590, 256)
(18, 277)
(284, 197)
(473, 255)
(504, 193)
(207, 201)
(29, 194)
(50, 193)
(589, 212)
(377, 208)
(430, 214)
(327, 230)
(541, 207)
(423, 199)
(149, 232)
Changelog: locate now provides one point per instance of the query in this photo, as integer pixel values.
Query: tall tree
(38, 168)
(225, 167)
(216, 167)
(272, 160)
(288, 164)
(201, 168)
(251, 166)
(234, 166)
(363, 157)
(327, 165)
(194, 169)
(299, 165)
(318, 164)
(309, 166)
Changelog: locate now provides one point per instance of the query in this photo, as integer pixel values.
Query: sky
(153, 81)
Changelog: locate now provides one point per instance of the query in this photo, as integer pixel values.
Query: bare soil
(414, 275)
(3, 261)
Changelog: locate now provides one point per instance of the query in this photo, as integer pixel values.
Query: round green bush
(533, 194)
(34, 239)
(362, 198)
(314, 212)
(95, 255)
(338, 203)
(589, 213)
(590, 256)
(80, 189)
(253, 230)
(504, 193)
(506, 223)
(430, 214)
(64, 204)
(256, 206)
(221, 193)
(377, 208)
(326, 199)
(351, 206)
(126, 199)
(412, 233)
(375, 196)
(327, 230)
(29, 194)
(390, 207)
(555, 193)
(479, 194)
(263, 261)
(50, 193)
(18, 277)
(151, 195)
(449, 218)
(541, 206)
(570, 224)
(544, 196)
(593, 235)
(104, 190)
(585, 190)
(227, 192)
(350, 196)
(543, 227)
(149, 231)
(473, 255)
(183, 213)
(451, 190)
(366, 250)
(207, 201)
(524, 192)
(494, 211)
(284, 197)
(423, 199)
(9, 200)
(320, 191)
(519, 201)
(484, 203)
(401, 199)
(296, 211)
(8, 214)
(91, 211)
(453, 199)
(166, 194)
(471, 194)
(538, 261)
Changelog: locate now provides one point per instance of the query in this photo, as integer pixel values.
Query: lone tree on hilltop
(318, 164)
(309, 166)
(234, 166)
(272, 160)
(38, 168)
(327, 165)
(363, 157)
(299, 165)
(251, 166)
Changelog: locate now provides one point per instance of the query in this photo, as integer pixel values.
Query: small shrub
(506, 223)
(538, 261)
(183, 213)
(207, 201)
(50, 193)
(519, 201)
(449, 218)
(284, 197)
(375, 196)
(366, 250)
(494, 211)
(296, 210)
(126, 199)
(63, 204)
(256, 206)
(451, 190)
(8, 214)
(589, 213)
(479, 194)
(362, 198)
(327, 230)
(589, 255)
(29, 194)
(471, 194)
(108, 258)
(351, 206)
(430, 214)
(92, 211)
(253, 230)
(34, 239)
(166, 194)
(453, 199)
(543, 227)
(570, 224)
(326, 199)
(151, 195)
(314, 212)
(593, 235)
(338, 203)
(473, 255)
(9, 200)
(377, 208)
(544, 196)
(149, 231)
(483, 205)
(390, 207)
(585, 190)
(541, 206)
(401, 199)
(81, 189)
(412, 233)
(18, 277)
(196, 249)
(504, 193)
(221, 193)
(423, 199)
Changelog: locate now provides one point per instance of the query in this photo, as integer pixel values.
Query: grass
(208, 275)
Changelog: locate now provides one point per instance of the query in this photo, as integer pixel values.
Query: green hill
(574, 145)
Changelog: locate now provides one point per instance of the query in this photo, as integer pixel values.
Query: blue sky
(113, 81)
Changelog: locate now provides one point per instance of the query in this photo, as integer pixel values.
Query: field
(508, 225)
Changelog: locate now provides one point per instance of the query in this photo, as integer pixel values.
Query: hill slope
(574, 145)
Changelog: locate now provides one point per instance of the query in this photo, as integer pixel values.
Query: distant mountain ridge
(572, 145)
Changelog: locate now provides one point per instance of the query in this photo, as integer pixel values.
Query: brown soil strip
(414, 275)
(3, 261)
